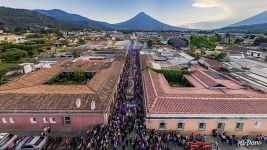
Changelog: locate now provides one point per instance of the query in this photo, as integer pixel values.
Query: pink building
(55, 97)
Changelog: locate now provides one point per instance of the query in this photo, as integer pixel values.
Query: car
(7, 140)
(32, 143)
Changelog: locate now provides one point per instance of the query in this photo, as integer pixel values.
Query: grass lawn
(175, 77)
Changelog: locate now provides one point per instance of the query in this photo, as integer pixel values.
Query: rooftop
(212, 93)
(30, 93)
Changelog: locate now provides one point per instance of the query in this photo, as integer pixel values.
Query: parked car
(32, 143)
(7, 140)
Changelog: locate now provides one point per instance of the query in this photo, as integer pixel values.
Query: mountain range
(254, 24)
(257, 19)
(55, 18)
(254, 28)
(27, 19)
(141, 22)
(144, 22)
(74, 19)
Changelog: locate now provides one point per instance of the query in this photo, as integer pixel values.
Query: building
(251, 72)
(210, 100)
(211, 63)
(263, 46)
(55, 97)
(256, 54)
(9, 38)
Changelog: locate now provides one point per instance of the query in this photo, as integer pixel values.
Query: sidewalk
(25, 133)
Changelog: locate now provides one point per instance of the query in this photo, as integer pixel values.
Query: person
(46, 131)
(42, 134)
(127, 142)
(216, 146)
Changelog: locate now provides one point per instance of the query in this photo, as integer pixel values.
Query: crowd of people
(234, 140)
(126, 128)
(126, 114)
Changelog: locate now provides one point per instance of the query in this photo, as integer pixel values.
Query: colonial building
(69, 96)
(211, 100)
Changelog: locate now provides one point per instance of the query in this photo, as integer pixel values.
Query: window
(33, 120)
(202, 126)
(52, 120)
(4, 120)
(221, 126)
(11, 120)
(45, 120)
(257, 124)
(180, 126)
(239, 126)
(66, 120)
(162, 126)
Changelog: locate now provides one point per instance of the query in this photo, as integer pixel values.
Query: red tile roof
(160, 98)
(196, 105)
(29, 93)
(203, 78)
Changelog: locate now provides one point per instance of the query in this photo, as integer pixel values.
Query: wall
(191, 125)
(23, 122)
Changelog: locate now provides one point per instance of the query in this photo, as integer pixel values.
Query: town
(88, 89)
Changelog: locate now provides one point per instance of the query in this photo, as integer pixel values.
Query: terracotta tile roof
(211, 106)
(163, 99)
(11, 102)
(213, 62)
(30, 92)
(109, 85)
(91, 66)
(145, 61)
(203, 78)
(33, 79)
(99, 79)
(52, 89)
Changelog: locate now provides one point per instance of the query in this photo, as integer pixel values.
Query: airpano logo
(249, 143)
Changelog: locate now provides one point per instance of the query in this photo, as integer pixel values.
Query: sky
(203, 14)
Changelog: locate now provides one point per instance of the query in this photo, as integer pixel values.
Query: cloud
(234, 8)
(206, 3)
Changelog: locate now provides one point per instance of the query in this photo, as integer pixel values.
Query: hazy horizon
(201, 14)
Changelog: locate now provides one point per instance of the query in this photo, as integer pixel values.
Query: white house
(255, 54)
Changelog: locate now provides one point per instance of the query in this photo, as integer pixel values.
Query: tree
(224, 56)
(216, 38)
(238, 41)
(260, 40)
(252, 36)
(79, 73)
(64, 42)
(14, 54)
(58, 33)
(202, 42)
(229, 37)
(75, 54)
(149, 44)
(82, 41)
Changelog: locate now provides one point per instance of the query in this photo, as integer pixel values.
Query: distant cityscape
(68, 82)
